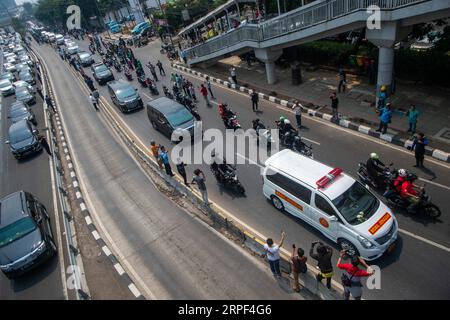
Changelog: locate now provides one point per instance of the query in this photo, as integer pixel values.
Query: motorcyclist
(221, 168)
(225, 113)
(288, 132)
(409, 192)
(280, 124)
(375, 168)
(396, 186)
(166, 91)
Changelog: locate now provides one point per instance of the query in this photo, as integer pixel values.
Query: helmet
(402, 173)
(287, 121)
(374, 156)
(411, 177)
(282, 118)
(383, 88)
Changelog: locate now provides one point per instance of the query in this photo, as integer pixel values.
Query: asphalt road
(171, 253)
(409, 272)
(32, 175)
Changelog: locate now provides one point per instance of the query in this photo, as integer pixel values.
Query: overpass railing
(295, 20)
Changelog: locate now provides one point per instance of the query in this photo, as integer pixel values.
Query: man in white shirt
(273, 254)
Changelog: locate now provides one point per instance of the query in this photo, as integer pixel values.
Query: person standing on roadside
(233, 74)
(412, 114)
(165, 160)
(385, 118)
(155, 152)
(192, 92)
(49, 103)
(351, 280)
(204, 93)
(43, 141)
(273, 254)
(419, 144)
(298, 262)
(298, 113)
(208, 85)
(94, 101)
(342, 80)
(161, 69)
(334, 105)
(323, 257)
(181, 168)
(254, 97)
(152, 70)
(90, 83)
(199, 179)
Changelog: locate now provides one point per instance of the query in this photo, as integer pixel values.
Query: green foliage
(18, 26)
(325, 52)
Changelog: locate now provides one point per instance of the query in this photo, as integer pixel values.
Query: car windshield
(4, 84)
(126, 93)
(179, 117)
(101, 68)
(357, 204)
(16, 230)
(6, 76)
(84, 56)
(24, 76)
(22, 93)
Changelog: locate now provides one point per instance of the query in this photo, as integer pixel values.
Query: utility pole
(165, 18)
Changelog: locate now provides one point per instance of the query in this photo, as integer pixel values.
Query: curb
(66, 153)
(393, 139)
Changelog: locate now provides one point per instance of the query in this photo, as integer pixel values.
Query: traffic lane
(152, 229)
(32, 175)
(256, 212)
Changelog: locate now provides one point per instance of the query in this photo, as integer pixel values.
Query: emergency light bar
(333, 174)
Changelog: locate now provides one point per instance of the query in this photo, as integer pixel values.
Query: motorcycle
(263, 134)
(167, 93)
(228, 178)
(232, 123)
(424, 207)
(299, 146)
(387, 176)
(143, 81)
(117, 66)
(153, 89)
(129, 75)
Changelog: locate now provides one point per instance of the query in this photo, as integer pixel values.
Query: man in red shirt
(409, 192)
(354, 273)
(204, 93)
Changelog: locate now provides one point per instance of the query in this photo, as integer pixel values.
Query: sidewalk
(357, 104)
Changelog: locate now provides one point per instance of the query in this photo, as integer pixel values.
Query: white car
(6, 88)
(72, 49)
(9, 67)
(337, 205)
(20, 84)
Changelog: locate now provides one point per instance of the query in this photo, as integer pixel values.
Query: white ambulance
(340, 207)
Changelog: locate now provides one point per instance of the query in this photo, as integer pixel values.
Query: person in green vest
(412, 115)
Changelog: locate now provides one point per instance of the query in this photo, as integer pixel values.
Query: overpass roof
(213, 13)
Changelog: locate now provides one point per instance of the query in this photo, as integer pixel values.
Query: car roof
(119, 85)
(83, 53)
(5, 80)
(12, 208)
(18, 126)
(309, 171)
(165, 105)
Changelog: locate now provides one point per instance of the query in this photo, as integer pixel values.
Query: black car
(124, 96)
(102, 73)
(22, 94)
(85, 59)
(21, 111)
(23, 139)
(26, 238)
(171, 118)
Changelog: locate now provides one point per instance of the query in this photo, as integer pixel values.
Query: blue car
(139, 27)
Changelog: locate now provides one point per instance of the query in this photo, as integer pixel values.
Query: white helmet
(287, 121)
(402, 173)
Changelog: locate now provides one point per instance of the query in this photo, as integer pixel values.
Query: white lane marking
(106, 251)
(330, 124)
(88, 220)
(119, 269)
(430, 242)
(312, 141)
(96, 235)
(435, 183)
(134, 290)
(250, 161)
(147, 96)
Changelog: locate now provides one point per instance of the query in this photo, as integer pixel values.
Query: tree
(28, 8)
(18, 26)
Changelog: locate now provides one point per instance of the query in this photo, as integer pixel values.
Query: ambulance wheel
(277, 203)
(348, 246)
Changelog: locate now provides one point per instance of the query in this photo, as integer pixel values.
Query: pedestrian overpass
(318, 20)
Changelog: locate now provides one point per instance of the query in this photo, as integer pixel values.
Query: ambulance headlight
(365, 242)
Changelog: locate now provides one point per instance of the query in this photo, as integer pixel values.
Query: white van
(340, 207)
(59, 39)
(72, 49)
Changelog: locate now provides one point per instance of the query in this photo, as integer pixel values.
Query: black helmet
(411, 177)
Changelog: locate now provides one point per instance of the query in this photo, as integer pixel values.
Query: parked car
(23, 84)
(139, 27)
(23, 139)
(6, 87)
(171, 118)
(102, 74)
(124, 96)
(8, 76)
(22, 94)
(26, 76)
(26, 237)
(20, 112)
